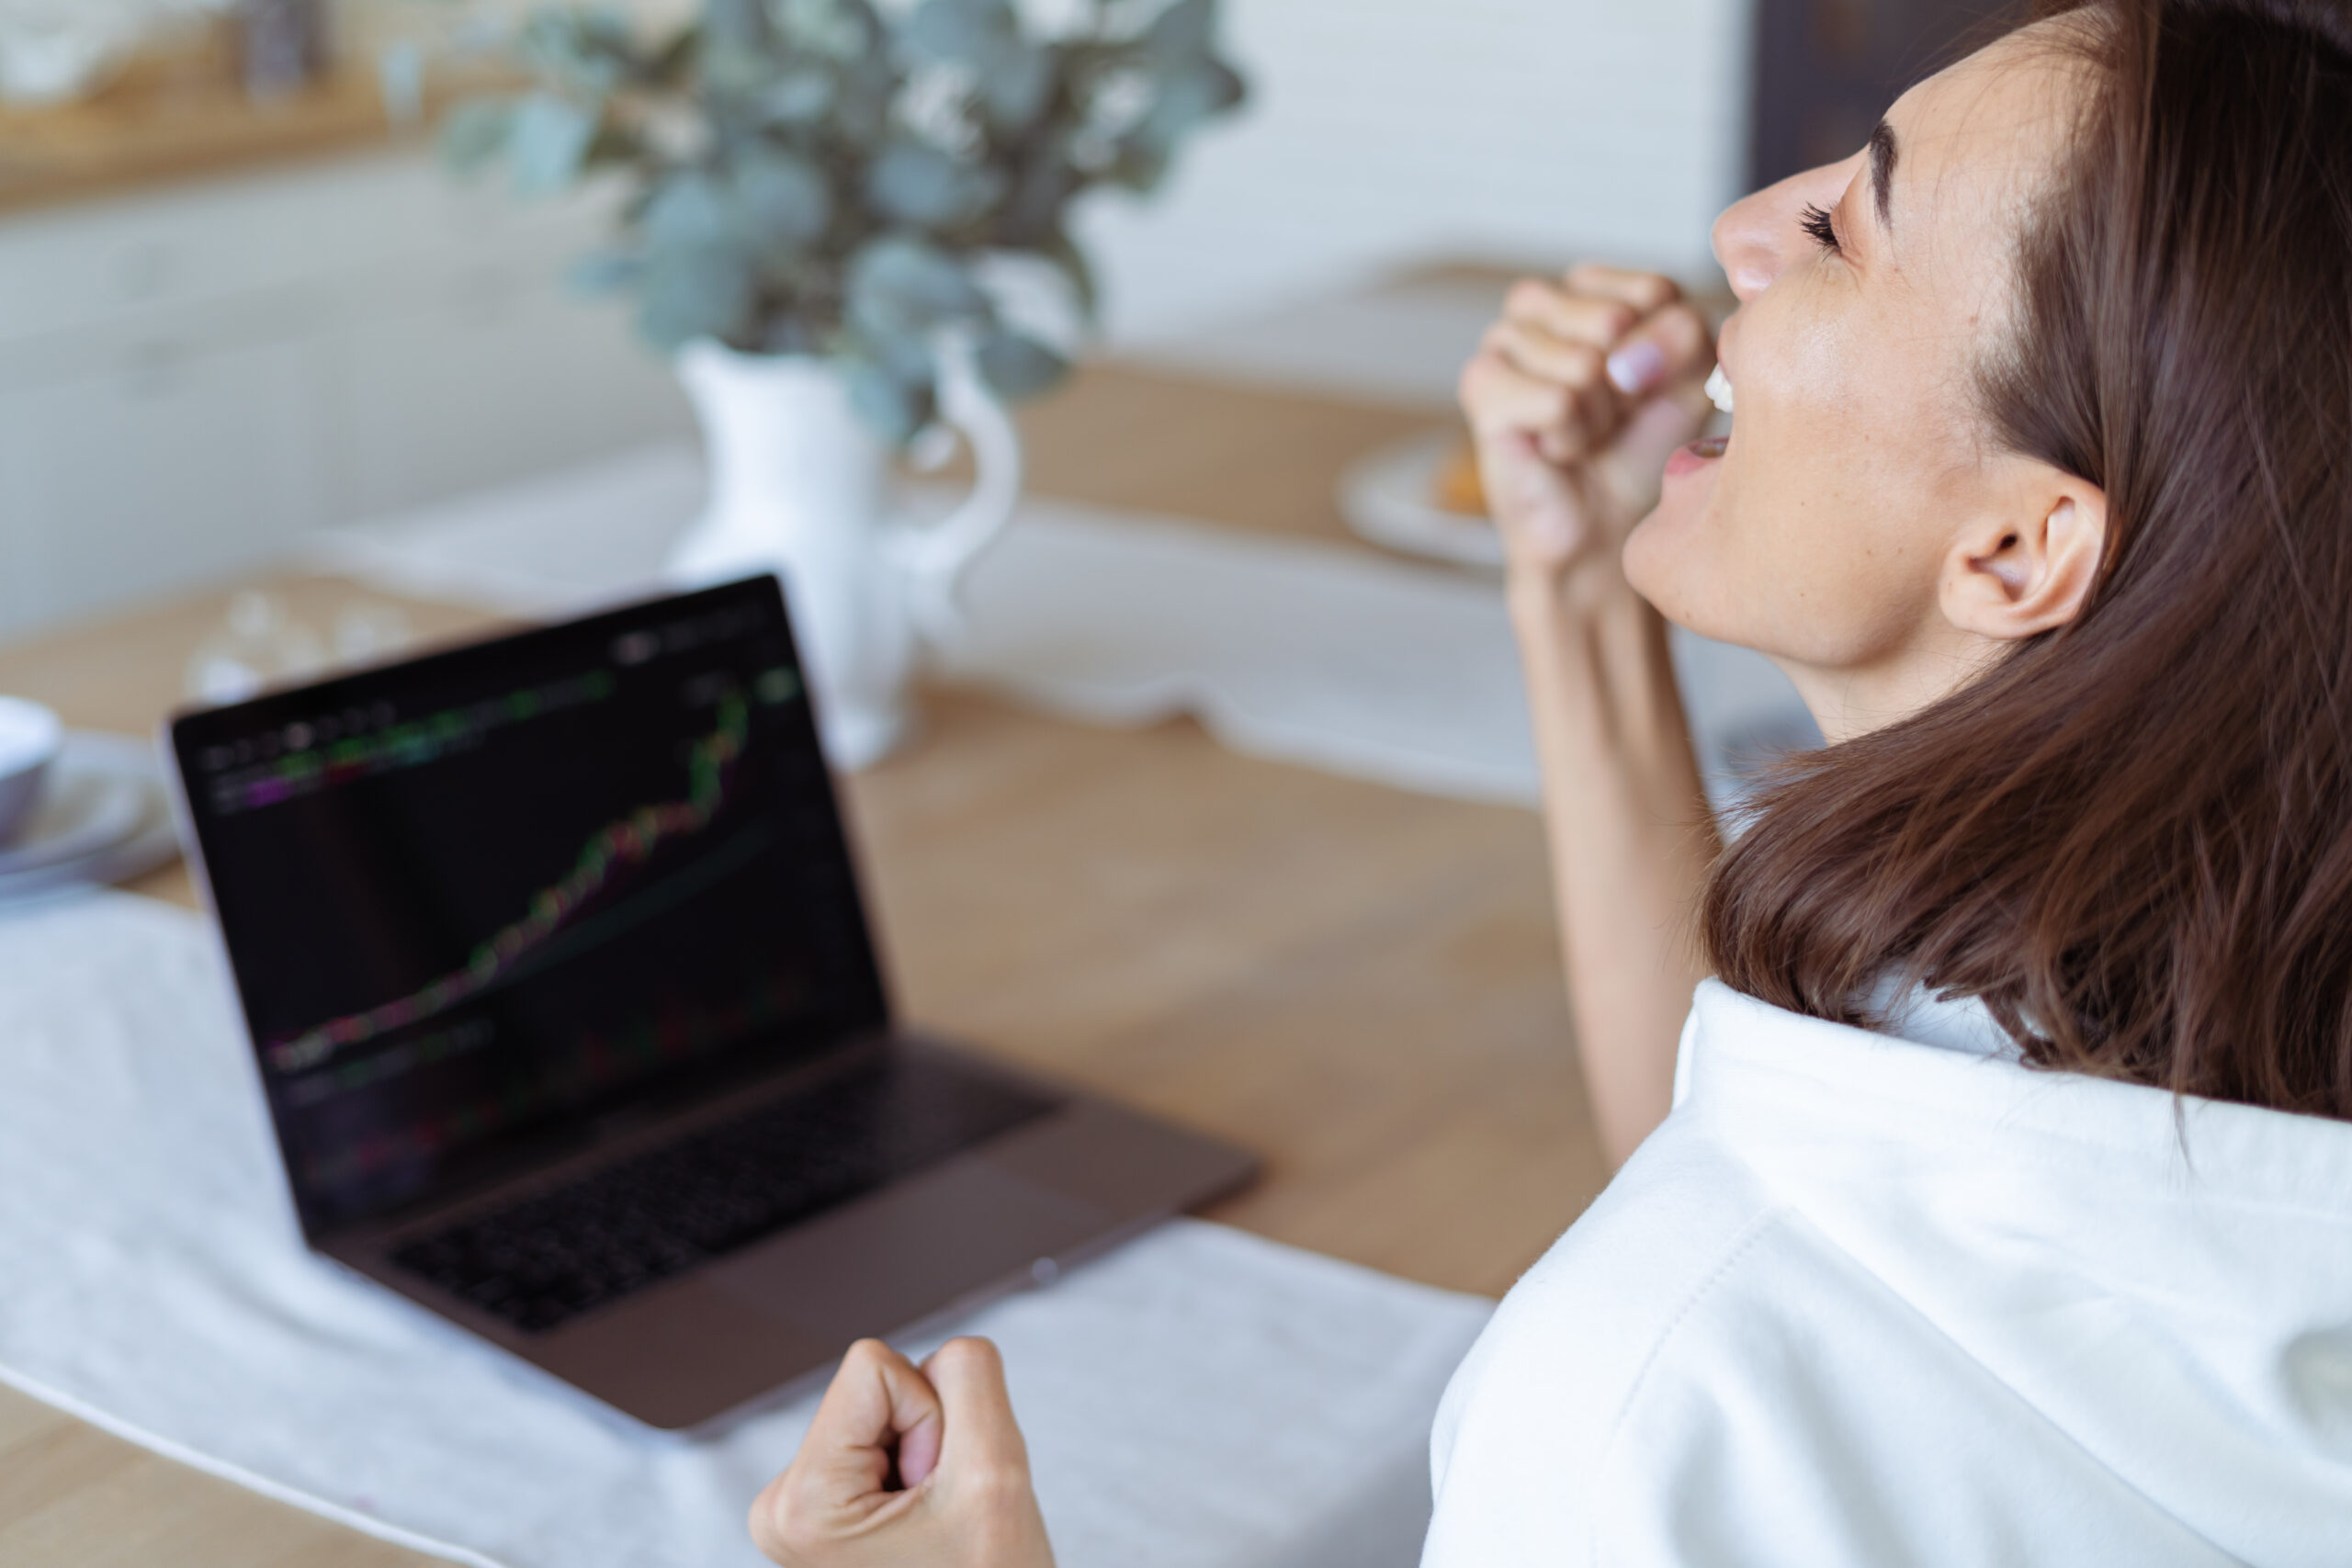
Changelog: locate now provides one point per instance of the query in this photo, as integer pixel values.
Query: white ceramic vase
(799, 486)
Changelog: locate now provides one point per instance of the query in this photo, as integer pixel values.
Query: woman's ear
(2029, 567)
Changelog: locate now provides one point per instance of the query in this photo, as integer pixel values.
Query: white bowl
(29, 738)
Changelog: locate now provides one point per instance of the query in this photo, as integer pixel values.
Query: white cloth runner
(1288, 648)
(1197, 1397)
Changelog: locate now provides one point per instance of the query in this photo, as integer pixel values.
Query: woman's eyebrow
(1882, 173)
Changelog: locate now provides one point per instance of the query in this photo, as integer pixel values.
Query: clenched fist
(907, 1466)
(1575, 398)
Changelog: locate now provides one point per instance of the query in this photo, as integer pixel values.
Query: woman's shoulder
(1862, 1299)
(1542, 1394)
(1697, 1373)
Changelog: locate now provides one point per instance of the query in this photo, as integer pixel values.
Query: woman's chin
(1664, 552)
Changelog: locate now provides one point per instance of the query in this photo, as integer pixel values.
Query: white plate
(82, 811)
(1390, 499)
(105, 818)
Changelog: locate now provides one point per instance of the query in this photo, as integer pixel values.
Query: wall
(188, 381)
(191, 379)
(1386, 130)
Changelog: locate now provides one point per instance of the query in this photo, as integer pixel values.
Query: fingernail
(1636, 367)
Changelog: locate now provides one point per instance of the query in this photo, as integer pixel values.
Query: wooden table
(1358, 983)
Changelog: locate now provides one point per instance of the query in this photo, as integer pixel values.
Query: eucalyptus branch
(811, 176)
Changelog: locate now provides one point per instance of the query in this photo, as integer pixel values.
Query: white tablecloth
(1197, 1397)
(1290, 648)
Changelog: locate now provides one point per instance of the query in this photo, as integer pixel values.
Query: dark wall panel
(1826, 70)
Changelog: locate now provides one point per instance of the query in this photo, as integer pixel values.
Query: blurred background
(1186, 748)
(240, 300)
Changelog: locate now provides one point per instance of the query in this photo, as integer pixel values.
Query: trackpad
(884, 1262)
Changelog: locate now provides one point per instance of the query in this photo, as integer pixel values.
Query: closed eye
(1817, 221)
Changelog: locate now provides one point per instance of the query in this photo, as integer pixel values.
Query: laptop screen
(480, 903)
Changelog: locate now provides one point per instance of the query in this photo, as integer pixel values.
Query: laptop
(573, 1029)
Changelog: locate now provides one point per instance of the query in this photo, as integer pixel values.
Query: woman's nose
(1757, 234)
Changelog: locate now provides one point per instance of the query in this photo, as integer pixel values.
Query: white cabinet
(495, 377)
(190, 380)
(163, 467)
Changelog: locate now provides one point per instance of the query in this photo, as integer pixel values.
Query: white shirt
(1863, 1300)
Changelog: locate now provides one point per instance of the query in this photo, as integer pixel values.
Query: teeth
(1718, 388)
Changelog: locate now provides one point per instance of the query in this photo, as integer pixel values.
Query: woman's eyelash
(1815, 221)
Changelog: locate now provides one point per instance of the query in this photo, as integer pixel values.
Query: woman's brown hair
(2132, 836)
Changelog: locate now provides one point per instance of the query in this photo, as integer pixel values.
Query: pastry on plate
(1457, 488)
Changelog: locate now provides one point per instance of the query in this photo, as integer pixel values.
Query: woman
(2004, 1212)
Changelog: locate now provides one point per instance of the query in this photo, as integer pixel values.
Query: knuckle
(1527, 297)
(1682, 329)
(778, 1530)
(1583, 365)
(1487, 385)
(1655, 289)
(968, 1348)
(998, 1485)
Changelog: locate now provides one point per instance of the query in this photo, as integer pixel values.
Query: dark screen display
(477, 902)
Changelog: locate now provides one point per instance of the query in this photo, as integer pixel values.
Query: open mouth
(1699, 454)
(1707, 448)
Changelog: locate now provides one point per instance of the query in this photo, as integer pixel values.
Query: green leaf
(906, 355)
(1183, 34)
(892, 408)
(547, 143)
(1186, 102)
(910, 284)
(968, 30)
(862, 101)
(842, 30)
(801, 95)
(732, 73)
(1016, 85)
(782, 199)
(1015, 366)
(693, 293)
(913, 184)
(743, 23)
(689, 211)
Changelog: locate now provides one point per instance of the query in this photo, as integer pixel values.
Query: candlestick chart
(556, 911)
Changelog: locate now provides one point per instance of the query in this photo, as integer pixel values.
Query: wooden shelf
(168, 120)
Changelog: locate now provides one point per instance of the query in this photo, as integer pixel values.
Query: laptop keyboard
(558, 1254)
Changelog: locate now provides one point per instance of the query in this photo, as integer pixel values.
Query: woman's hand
(1575, 398)
(908, 1467)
